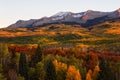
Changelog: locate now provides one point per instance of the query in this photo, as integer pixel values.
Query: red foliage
(21, 49)
(55, 51)
(91, 58)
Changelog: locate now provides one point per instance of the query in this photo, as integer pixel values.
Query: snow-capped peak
(78, 15)
(61, 14)
(81, 18)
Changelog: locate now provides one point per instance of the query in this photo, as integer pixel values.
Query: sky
(14, 10)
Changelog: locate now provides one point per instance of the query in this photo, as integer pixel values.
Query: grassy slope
(105, 35)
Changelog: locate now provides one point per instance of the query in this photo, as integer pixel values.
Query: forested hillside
(101, 37)
(33, 62)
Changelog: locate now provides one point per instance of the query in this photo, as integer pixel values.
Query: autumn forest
(33, 62)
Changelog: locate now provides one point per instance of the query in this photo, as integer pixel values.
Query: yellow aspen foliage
(59, 65)
(73, 74)
(89, 75)
(61, 69)
(96, 72)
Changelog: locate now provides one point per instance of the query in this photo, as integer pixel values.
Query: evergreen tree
(50, 70)
(105, 70)
(38, 54)
(23, 68)
(37, 57)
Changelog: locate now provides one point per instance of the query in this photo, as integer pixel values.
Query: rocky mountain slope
(87, 18)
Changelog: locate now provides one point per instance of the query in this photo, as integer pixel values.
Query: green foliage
(23, 68)
(66, 37)
(40, 73)
(37, 57)
(106, 71)
(50, 73)
(31, 72)
(62, 59)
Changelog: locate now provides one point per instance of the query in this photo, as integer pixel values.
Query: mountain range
(85, 19)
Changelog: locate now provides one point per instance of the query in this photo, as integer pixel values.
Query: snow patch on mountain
(61, 14)
(58, 18)
(77, 15)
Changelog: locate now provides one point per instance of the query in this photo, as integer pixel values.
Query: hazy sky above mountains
(13, 10)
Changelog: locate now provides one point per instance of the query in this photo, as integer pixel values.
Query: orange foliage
(73, 74)
(59, 66)
(89, 75)
(96, 72)
(91, 58)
